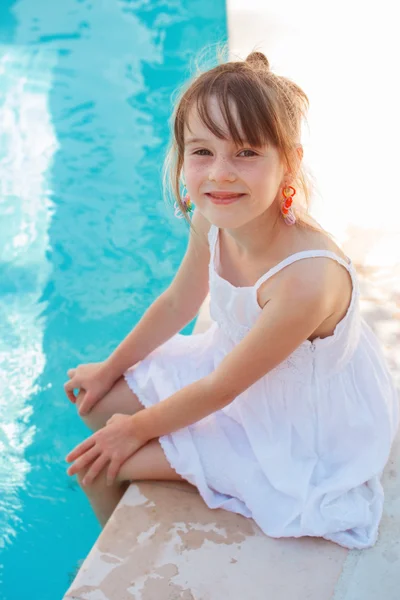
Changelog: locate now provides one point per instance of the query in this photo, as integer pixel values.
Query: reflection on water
(86, 242)
(27, 149)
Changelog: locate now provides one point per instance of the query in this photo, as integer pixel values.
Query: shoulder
(315, 281)
(319, 240)
(199, 230)
(307, 278)
(190, 285)
(321, 277)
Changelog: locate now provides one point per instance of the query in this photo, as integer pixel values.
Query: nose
(221, 170)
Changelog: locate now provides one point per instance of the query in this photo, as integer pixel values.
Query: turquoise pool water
(86, 242)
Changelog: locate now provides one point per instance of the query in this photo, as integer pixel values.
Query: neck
(261, 234)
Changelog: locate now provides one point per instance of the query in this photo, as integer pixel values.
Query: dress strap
(212, 239)
(306, 254)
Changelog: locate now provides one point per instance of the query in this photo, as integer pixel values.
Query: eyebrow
(194, 140)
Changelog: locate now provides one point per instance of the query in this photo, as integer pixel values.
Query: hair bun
(257, 58)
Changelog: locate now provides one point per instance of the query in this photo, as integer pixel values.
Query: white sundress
(302, 450)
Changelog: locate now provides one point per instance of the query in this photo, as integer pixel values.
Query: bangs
(248, 117)
(255, 107)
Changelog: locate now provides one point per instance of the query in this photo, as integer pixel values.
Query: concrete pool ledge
(164, 543)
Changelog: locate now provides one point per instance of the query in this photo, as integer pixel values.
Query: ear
(288, 175)
(300, 152)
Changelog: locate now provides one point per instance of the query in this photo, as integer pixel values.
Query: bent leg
(102, 497)
(148, 463)
(120, 399)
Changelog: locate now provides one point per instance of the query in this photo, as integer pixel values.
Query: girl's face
(213, 165)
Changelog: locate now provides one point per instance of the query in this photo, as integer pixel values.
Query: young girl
(283, 410)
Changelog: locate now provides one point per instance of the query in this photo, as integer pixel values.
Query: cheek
(194, 172)
(263, 179)
(254, 172)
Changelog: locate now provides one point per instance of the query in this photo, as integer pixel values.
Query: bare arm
(301, 302)
(174, 309)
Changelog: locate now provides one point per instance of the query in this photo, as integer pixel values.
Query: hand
(113, 444)
(94, 378)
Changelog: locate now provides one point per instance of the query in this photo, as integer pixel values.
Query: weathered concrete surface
(166, 544)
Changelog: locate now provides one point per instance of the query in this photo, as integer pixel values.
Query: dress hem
(144, 401)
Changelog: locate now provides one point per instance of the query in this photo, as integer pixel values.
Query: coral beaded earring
(286, 207)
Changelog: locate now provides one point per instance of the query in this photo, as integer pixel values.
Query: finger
(84, 460)
(86, 404)
(113, 470)
(71, 372)
(95, 469)
(69, 390)
(70, 394)
(81, 448)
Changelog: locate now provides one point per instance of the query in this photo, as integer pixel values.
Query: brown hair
(270, 110)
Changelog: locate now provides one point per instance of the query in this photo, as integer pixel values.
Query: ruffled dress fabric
(303, 449)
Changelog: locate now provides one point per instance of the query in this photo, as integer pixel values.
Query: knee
(79, 398)
(92, 419)
(99, 484)
(91, 487)
(80, 476)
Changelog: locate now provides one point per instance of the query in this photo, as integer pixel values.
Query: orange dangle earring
(286, 206)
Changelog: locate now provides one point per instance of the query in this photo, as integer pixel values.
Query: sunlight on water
(27, 149)
(87, 242)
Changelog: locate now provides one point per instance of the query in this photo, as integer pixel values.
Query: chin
(225, 219)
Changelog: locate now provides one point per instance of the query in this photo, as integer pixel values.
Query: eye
(202, 150)
(251, 151)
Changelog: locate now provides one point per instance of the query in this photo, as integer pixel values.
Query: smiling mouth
(224, 198)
